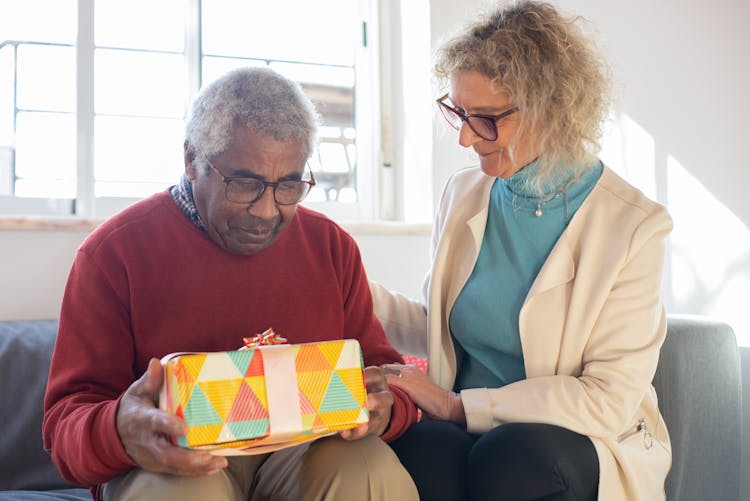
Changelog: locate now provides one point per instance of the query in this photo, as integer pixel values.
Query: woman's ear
(189, 156)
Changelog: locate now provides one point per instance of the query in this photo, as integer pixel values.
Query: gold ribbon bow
(266, 338)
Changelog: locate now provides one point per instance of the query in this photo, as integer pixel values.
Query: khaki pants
(326, 469)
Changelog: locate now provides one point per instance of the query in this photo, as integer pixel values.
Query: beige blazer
(591, 327)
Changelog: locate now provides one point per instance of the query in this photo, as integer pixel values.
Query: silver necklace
(540, 203)
(562, 191)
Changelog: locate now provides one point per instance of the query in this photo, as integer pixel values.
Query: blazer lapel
(558, 269)
(542, 317)
(466, 256)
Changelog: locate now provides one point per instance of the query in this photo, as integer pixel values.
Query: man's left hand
(379, 404)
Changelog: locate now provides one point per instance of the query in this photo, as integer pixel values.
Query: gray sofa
(26, 471)
(698, 381)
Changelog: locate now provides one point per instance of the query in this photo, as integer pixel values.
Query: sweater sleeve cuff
(478, 409)
(403, 415)
(113, 452)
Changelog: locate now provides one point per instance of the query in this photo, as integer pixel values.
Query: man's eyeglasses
(484, 126)
(247, 190)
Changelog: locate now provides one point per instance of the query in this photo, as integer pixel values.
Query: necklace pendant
(538, 211)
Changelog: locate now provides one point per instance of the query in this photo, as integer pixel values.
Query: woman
(542, 320)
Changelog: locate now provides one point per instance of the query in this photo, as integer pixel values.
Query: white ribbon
(282, 392)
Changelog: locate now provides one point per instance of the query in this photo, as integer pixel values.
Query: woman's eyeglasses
(484, 126)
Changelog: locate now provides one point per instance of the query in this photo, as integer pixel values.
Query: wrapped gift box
(265, 398)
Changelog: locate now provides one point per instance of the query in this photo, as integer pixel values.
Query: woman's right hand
(431, 398)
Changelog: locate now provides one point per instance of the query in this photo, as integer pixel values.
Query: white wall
(398, 261)
(33, 268)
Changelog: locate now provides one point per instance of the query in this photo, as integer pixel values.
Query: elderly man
(224, 254)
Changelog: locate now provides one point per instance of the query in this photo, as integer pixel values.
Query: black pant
(515, 461)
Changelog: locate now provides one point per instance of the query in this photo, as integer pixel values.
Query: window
(94, 94)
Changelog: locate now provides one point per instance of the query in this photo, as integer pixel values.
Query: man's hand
(145, 432)
(431, 398)
(379, 404)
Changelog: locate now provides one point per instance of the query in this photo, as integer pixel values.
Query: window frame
(87, 205)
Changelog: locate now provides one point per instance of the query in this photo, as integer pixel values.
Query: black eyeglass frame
(227, 180)
(465, 118)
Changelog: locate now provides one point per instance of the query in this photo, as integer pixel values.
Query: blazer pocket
(639, 430)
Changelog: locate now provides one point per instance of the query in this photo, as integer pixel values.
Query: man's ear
(189, 156)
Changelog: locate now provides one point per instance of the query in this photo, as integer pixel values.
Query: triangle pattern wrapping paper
(224, 396)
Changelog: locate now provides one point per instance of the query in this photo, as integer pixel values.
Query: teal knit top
(521, 231)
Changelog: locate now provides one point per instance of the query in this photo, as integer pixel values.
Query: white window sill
(386, 228)
(45, 223)
(41, 223)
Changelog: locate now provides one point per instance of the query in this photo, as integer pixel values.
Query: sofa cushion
(25, 353)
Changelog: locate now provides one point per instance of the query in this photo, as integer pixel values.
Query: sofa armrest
(698, 382)
(25, 353)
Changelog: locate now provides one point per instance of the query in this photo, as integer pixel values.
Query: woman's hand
(432, 399)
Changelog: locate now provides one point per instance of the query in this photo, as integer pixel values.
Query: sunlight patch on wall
(710, 253)
(708, 265)
(629, 150)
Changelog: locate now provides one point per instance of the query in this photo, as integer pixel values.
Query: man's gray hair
(258, 98)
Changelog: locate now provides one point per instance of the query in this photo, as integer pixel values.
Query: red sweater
(147, 283)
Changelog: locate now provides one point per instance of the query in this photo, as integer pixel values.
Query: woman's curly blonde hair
(550, 71)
